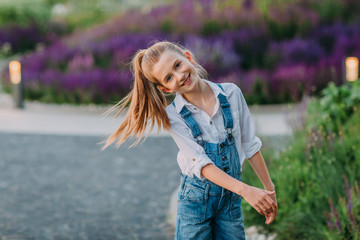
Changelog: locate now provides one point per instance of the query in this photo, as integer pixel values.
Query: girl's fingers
(263, 208)
(270, 218)
(259, 210)
(267, 207)
(271, 203)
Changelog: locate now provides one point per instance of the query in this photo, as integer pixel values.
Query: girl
(213, 128)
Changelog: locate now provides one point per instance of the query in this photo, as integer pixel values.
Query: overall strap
(220, 86)
(225, 107)
(192, 124)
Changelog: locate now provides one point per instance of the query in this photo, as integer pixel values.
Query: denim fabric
(190, 121)
(206, 210)
(225, 107)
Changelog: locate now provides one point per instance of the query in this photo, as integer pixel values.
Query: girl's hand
(271, 217)
(260, 200)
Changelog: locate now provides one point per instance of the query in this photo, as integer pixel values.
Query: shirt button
(226, 169)
(211, 122)
(193, 159)
(223, 157)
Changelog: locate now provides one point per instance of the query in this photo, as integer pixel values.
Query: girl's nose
(179, 75)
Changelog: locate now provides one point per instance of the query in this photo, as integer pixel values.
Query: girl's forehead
(164, 65)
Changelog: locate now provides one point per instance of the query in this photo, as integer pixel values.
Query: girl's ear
(164, 89)
(188, 56)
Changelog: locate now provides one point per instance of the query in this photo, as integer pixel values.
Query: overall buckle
(229, 132)
(200, 140)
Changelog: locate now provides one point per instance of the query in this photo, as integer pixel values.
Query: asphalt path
(64, 187)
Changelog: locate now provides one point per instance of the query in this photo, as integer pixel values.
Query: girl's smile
(187, 81)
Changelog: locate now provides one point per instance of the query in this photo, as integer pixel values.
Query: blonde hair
(147, 101)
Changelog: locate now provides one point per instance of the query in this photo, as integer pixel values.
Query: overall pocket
(192, 204)
(235, 206)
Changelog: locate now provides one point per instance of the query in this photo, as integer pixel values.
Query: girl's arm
(256, 197)
(258, 164)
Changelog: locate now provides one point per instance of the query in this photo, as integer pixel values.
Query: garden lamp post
(352, 69)
(18, 85)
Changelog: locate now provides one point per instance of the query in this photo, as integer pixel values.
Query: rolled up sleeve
(250, 142)
(191, 157)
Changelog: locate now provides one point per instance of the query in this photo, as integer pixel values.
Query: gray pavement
(270, 120)
(64, 187)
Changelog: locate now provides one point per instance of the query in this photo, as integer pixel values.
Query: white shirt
(191, 156)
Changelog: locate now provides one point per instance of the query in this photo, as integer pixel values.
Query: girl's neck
(200, 95)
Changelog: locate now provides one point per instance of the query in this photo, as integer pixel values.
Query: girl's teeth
(186, 81)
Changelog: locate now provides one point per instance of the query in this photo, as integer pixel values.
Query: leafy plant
(309, 171)
(335, 107)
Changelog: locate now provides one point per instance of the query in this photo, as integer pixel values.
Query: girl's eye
(176, 66)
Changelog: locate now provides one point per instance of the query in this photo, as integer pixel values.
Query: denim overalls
(206, 210)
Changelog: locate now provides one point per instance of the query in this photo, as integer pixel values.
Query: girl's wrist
(270, 188)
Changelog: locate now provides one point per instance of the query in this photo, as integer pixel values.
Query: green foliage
(335, 107)
(24, 12)
(211, 27)
(311, 170)
(329, 10)
(80, 19)
(283, 30)
(260, 94)
(167, 26)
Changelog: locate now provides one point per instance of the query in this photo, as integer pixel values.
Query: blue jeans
(206, 210)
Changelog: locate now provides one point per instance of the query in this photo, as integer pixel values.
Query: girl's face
(175, 72)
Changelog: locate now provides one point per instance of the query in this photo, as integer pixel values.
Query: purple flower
(21, 38)
(248, 4)
(216, 55)
(330, 223)
(296, 51)
(335, 214)
(292, 80)
(349, 203)
(51, 77)
(81, 62)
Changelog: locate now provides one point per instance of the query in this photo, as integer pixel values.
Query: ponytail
(147, 102)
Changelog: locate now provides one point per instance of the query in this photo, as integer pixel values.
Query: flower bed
(274, 55)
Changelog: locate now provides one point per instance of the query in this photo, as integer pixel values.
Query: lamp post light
(18, 85)
(352, 69)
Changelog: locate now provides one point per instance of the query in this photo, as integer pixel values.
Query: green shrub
(335, 107)
(329, 10)
(311, 169)
(25, 12)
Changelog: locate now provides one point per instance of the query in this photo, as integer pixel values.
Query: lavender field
(275, 53)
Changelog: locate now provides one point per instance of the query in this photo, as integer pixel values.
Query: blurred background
(294, 59)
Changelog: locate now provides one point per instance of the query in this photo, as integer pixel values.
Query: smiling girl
(213, 128)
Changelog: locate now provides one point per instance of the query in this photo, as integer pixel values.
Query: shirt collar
(180, 101)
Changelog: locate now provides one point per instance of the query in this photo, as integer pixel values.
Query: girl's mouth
(187, 81)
